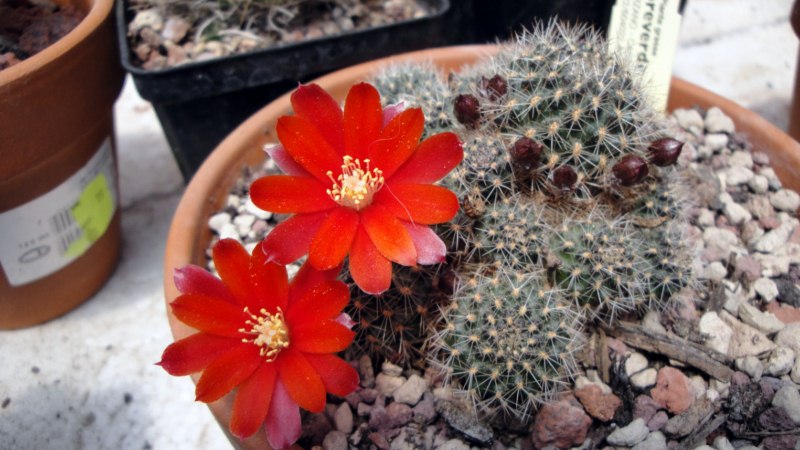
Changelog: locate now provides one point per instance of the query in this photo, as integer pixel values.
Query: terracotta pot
(56, 110)
(189, 234)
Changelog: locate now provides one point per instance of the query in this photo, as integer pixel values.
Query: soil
(168, 34)
(27, 28)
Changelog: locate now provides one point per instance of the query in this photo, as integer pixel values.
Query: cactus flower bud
(467, 110)
(495, 87)
(564, 177)
(631, 169)
(665, 151)
(526, 153)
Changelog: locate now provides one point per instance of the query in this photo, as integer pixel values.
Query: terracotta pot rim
(99, 10)
(189, 222)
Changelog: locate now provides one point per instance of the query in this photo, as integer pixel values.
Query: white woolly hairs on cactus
(508, 342)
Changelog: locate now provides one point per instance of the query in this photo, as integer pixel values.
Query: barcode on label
(65, 228)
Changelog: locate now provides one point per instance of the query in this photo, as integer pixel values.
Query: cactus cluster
(571, 211)
(396, 324)
(509, 340)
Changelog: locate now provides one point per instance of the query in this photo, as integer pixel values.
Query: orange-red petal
(209, 314)
(398, 141)
(270, 283)
(308, 147)
(434, 158)
(322, 302)
(332, 242)
(252, 401)
(312, 103)
(302, 382)
(363, 119)
(227, 372)
(339, 377)
(418, 203)
(326, 336)
(291, 238)
(370, 270)
(389, 235)
(194, 353)
(308, 278)
(232, 262)
(289, 194)
(192, 279)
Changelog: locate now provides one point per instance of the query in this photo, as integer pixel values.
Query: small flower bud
(631, 169)
(447, 282)
(665, 151)
(526, 153)
(467, 110)
(564, 177)
(495, 87)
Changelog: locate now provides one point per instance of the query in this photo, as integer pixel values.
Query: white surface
(64, 384)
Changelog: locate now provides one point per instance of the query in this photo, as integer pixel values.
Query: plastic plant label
(49, 232)
(645, 32)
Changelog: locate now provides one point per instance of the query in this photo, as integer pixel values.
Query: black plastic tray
(199, 103)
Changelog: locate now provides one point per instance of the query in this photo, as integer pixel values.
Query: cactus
(565, 92)
(509, 341)
(397, 324)
(571, 210)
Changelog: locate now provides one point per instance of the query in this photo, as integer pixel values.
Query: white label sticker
(49, 232)
(646, 32)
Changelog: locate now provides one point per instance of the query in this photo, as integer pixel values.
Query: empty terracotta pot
(58, 185)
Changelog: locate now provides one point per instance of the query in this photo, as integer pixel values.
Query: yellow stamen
(355, 186)
(270, 331)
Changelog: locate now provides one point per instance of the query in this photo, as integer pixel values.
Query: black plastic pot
(501, 19)
(198, 104)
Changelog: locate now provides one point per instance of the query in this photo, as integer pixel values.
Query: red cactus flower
(359, 183)
(272, 339)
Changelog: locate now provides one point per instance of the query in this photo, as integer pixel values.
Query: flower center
(269, 331)
(355, 187)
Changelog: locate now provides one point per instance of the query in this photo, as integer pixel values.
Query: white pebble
(635, 363)
(229, 231)
(751, 366)
(766, 288)
(251, 208)
(780, 362)
(722, 443)
(737, 175)
(705, 218)
(759, 184)
(774, 239)
(717, 142)
(774, 181)
(717, 122)
(688, 119)
(739, 157)
(217, 221)
(233, 201)
(736, 213)
(645, 378)
(244, 223)
(785, 200)
(715, 271)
